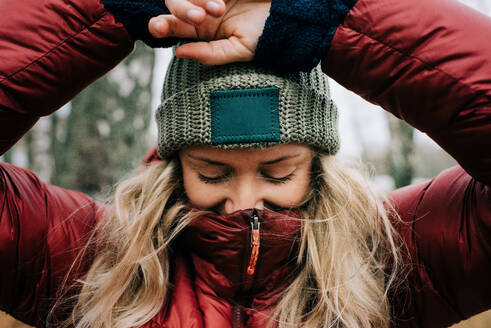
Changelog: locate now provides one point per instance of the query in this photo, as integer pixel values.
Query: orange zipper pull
(255, 242)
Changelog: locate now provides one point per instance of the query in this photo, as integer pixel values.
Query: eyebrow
(274, 161)
(283, 158)
(206, 160)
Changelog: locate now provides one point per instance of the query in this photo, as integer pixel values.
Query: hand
(232, 28)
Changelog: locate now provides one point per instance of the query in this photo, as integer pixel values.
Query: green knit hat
(240, 105)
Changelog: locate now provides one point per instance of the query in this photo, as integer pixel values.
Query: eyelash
(212, 180)
(223, 178)
(281, 180)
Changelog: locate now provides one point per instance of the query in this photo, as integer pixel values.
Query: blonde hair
(348, 252)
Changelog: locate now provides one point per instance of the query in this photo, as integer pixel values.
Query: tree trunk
(400, 151)
(30, 154)
(7, 157)
(106, 129)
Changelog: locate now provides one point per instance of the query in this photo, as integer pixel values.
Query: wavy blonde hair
(349, 253)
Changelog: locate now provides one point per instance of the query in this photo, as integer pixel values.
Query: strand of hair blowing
(349, 253)
(128, 280)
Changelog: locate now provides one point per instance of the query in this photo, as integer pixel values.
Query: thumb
(218, 52)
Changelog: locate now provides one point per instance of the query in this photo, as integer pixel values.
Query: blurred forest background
(103, 134)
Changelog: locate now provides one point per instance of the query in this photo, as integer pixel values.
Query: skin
(230, 180)
(229, 29)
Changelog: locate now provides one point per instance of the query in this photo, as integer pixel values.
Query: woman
(389, 52)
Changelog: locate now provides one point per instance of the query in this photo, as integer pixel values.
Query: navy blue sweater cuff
(135, 14)
(298, 33)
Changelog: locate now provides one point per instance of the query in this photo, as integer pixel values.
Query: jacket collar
(220, 251)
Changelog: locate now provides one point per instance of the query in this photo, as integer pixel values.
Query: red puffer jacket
(426, 61)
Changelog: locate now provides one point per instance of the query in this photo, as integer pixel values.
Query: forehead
(239, 156)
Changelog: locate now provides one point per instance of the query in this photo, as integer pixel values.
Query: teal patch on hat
(243, 116)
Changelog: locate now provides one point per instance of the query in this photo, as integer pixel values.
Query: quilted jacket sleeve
(42, 229)
(50, 50)
(428, 62)
(447, 228)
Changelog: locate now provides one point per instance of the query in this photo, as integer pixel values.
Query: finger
(215, 8)
(186, 11)
(170, 26)
(217, 52)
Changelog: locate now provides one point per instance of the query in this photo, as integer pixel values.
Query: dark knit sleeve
(135, 14)
(298, 33)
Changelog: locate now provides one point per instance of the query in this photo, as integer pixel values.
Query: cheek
(288, 194)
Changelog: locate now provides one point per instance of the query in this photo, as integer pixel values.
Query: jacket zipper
(251, 268)
(255, 243)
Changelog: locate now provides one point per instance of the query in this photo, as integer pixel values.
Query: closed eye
(223, 178)
(217, 179)
(278, 180)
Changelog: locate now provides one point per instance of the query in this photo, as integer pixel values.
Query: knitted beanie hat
(240, 105)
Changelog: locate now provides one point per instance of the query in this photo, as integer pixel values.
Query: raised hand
(229, 30)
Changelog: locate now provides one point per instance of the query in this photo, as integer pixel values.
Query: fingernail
(155, 27)
(195, 14)
(158, 25)
(212, 7)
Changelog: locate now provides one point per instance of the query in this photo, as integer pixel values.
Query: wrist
(298, 33)
(135, 15)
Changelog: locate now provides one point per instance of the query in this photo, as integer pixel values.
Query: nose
(242, 197)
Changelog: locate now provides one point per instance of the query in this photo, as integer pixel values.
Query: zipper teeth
(237, 323)
(246, 277)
